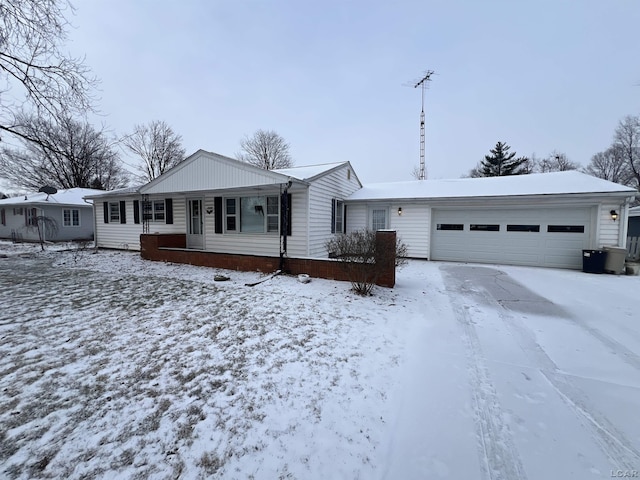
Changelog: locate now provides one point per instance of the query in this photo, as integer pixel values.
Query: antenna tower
(422, 83)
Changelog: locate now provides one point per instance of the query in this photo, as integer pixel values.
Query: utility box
(593, 261)
(615, 260)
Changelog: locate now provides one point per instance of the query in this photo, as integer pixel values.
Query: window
(450, 226)
(378, 219)
(337, 216)
(231, 215)
(18, 211)
(273, 214)
(484, 228)
(158, 211)
(3, 217)
(523, 228)
(31, 216)
(252, 214)
(114, 212)
(71, 217)
(565, 228)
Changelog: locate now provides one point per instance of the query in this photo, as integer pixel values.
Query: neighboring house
(223, 206)
(542, 219)
(72, 215)
(227, 206)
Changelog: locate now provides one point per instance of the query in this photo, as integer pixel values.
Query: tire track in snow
(621, 452)
(613, 443)
(495, 444)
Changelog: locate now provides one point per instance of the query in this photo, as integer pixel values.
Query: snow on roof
(309, 171)
(119, 191)
(71, 196)
(569, 182)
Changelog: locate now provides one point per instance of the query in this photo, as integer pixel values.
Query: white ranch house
(229, 207)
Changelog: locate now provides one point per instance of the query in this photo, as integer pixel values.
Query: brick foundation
(172, 248)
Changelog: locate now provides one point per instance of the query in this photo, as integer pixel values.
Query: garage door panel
(554, 249)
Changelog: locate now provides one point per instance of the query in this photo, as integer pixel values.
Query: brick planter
(172, 248)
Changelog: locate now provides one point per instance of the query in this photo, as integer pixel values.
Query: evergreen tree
(501, 162)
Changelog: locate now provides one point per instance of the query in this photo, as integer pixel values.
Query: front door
(195, 233)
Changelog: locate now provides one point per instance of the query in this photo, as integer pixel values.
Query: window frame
(158, 215)
(267, 204)
(114, 212)
(450, 227)
(71, 222)
(484, 227)
(372, 211)
(565, 228)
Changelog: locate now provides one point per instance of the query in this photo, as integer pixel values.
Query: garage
(550, 237)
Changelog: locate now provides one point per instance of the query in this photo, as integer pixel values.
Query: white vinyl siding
(126, 236)
(610, 232)
(338, 184)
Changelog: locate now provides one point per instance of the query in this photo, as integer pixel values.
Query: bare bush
(363, 259)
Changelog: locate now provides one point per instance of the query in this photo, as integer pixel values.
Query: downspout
(95, 222)
(284, 200)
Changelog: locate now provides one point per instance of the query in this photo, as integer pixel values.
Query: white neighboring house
(539, 219)
(72, 215)
(223, 205)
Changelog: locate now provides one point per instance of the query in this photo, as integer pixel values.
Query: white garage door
(545, 237)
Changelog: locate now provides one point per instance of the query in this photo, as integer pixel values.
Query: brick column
(386, 257)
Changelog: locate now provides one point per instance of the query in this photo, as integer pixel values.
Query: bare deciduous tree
(33, 66)
(265, 149)
(609, 165)
(158, 147)
(65, 154)
(627, 139)
(556, 162)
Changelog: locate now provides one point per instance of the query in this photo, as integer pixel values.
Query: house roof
(569, 182)
(309, 172)
(114, 193)
(66, 197)
(634, 212)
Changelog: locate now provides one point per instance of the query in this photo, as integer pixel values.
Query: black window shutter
(123, 211)
(136, 211)
(105, 209)
(217, 208)
(168, 205)
(344, 219)
(285, 206)
(333, 215)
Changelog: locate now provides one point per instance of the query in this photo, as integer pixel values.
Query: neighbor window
(523, 228)
(450, 226)
(71, 217)
(378, 219)
(565, 228)
(484, 228)
(32, 216)
(114, 212)
(255, 214)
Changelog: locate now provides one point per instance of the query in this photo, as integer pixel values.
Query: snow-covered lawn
(113, 367)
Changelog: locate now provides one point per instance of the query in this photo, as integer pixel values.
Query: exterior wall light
(400, 211)
(614, 215)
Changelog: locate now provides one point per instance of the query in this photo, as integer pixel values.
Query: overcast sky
(329, 76)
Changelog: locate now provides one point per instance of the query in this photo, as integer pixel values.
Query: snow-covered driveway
(112, 367)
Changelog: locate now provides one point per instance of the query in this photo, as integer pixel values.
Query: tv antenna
(422, 83)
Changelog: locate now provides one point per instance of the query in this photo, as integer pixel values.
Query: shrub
(363, 259)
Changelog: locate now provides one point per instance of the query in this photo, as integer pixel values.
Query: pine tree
(501, 162)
